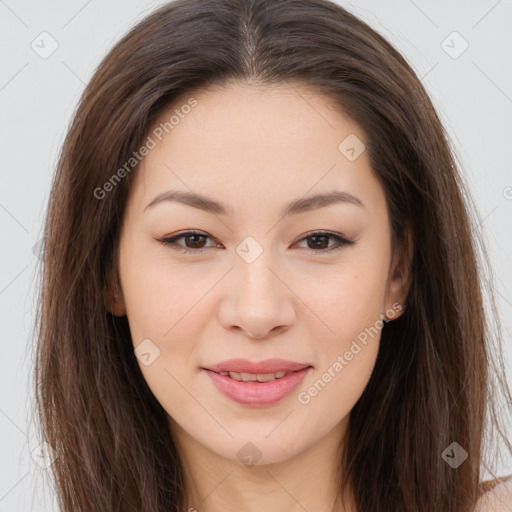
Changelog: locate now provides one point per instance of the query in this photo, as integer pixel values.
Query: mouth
(254, 377)
(257, 384)
(266, 367)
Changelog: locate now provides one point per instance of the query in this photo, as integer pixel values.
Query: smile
(257, 390)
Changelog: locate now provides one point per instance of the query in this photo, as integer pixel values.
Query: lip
(266, 366)
(257, 394)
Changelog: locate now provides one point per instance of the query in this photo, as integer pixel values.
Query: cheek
(335, 388)
(163, 312)
(348, 299)
(346, 358)
(350, 305)
(157, 295)
(164, 307)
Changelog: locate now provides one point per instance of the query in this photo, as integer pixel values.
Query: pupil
(321, 245)
(196, 241)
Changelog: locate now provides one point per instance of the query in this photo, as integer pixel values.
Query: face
(257, 279)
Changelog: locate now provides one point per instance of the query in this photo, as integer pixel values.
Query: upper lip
(261, 367)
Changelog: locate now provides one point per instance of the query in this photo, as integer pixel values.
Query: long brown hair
(435, 374)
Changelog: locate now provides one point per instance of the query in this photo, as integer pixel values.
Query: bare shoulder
(498, 496)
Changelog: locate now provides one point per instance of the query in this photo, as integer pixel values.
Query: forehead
(280, 114)
(252, 139)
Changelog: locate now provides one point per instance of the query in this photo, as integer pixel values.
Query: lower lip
(258, 393)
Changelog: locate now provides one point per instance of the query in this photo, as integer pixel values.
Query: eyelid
(170, 241)
(340, 239)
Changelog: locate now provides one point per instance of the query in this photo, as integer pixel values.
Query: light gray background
(473, 94)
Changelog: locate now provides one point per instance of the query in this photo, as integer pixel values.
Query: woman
(260, 285)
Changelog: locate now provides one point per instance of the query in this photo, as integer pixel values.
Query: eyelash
(171, 241)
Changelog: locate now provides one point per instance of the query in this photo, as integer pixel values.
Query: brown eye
(196, 241)
(317, 242)
(320, 241)
(193, 241)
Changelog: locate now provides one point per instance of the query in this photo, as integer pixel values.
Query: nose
(258, 300)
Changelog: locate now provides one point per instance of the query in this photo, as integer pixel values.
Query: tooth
(248, 377)
(252, 377)
(265, 377)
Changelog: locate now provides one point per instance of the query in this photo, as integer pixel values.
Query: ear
(113, 297)
(400, 273)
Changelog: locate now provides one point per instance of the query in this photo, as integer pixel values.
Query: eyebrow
(210, 205)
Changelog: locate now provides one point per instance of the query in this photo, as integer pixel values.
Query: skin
(256, 148)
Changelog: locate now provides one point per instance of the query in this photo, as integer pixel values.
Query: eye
(194, 241)
(317, 241)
